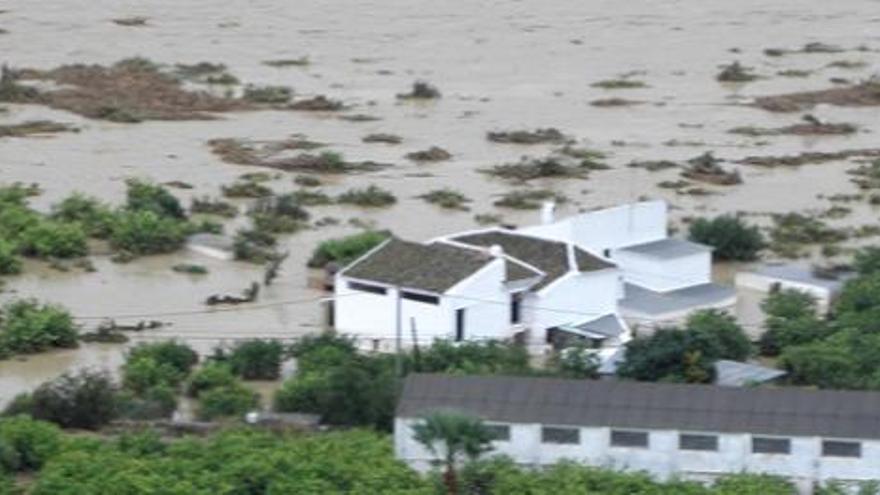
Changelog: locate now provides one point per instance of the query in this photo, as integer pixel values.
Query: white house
(824, 287)
(665, 278)
(694, 432)
(486, 284)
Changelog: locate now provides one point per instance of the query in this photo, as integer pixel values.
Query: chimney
(548, 209)
(496, 250)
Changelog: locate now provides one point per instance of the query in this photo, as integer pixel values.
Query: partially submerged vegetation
(319, 103)
(536, 136)
(382, 137)
(346, 249)
(432, 154)
(276, 155)
(447, 198)
(864, 94)
(209, 206)
(707, 168)
(614, 102)
(736, 72)
(730, 237)
(421, 90)
(27, 327)
(371, 196)
(809, 157)
(810, 126)
(528, 199)
(620, 83)
(793, 233)
(34, 127)
(537, 168)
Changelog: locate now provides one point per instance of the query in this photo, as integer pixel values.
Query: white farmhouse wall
(485, 301)
(663, 458)
(363, 314)
(575, 297)
(663, 275)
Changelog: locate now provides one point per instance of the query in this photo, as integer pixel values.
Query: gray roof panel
(668, 248)
(429, 267)
(611, 403)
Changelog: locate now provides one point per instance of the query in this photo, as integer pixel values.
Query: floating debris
(528, 199)
(861, 95)
(421, 90)
(614, 102)
(318, 103)
(537, 136)
(381, 137)
(447, 198)
(707, 168)
(432, 154)
(250, 294)
(736, 72)
(808, 157)
(34, 127)
(811, 126)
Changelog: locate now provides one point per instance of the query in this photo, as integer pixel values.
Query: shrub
(26, 444)
(267, 94)
(731, 238)
(210, 376)
(28, 326)
(178, 355)
(230, 400)
(143, 373)
(372, 196)
(145, 232)
(867, 261)
(146, 196)
(257, 359)
(153, 403)
(791, 320)
(10, 263)
(49, 239)
(86, 400)
(95, 217)
(346, 249)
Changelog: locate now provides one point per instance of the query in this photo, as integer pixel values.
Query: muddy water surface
(500, 64)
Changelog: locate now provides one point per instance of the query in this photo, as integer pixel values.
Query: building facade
(688, 431)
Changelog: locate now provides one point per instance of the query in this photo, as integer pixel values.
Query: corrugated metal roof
(604, 326)
(653, 303)
(667, 248)
(738, 374)
(623, 404)
(430, 267)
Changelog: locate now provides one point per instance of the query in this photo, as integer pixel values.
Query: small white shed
(665, 265)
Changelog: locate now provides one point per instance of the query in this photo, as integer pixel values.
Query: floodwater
(501, 64)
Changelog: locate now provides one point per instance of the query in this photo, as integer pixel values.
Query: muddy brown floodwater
(500, 65)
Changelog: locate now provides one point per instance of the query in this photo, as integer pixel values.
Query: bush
(790, 320)
(371, 196)
(729, 235)
(230, 400)
(26, 444)
(256, 246)
(156, 402)
(867, 261)
(175, 354)
(346, 249)
(27, 326)
(95, 217)
(49, 239)
(86, 400)
(146, 232)
(257, 359)
(267, 94)
(143, 373)
(145, 196)
(10, 263)
(210, 376)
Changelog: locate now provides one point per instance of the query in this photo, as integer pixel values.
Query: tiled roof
(430, 267)
(623, 404)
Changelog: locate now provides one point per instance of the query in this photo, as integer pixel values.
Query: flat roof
(650, 302)
(668, 248)
(786, 411)
(804, 274)
(604, 326)
(739, 374)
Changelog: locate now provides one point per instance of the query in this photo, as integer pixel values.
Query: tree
(451, 436)
(146, 232)
(26, 444)
(212, 375)
(791, 319)
(228, 400)
(867, 260)
(257, 359)
(721, 335)
(10, 263)
(175, 354)
(577, 361)
(28, 326)
(141, 373)
(730, 236)
(50, 239)
(86, 400)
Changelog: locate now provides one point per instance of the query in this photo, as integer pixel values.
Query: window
(688, 441)
(770, 445)
(500, 433)
(838, 448)
(423, 298)
(629, 438)
(459, 324)
(515, 308)
(556, 434)
(373, 289)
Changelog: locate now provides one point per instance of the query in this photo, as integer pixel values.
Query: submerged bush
(146, 232)
(346, 249)
(146, 196)
(10, 263)
(28, 326)
(371, 196)
(49, 239)
(226, 401)
(95, 217)
(730, 237)
(212, 375)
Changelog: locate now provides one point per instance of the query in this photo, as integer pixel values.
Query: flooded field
(500, 65)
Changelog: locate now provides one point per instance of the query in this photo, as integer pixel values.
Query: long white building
(690, 431)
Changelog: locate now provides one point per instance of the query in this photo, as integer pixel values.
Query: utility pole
(398, 335)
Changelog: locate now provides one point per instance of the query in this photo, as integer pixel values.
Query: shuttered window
(629, 438)
(373, 289)
(554, 434)
(771, 445)
(688, 441)
(500, 433)
(838, 448)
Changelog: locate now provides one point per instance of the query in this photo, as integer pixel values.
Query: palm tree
(451, 435)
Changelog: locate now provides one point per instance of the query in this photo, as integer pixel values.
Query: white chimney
(548, 210)
(496, 250)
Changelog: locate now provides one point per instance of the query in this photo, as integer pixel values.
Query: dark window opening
(373, 289)
(769, 445)
(459, 325)
(607, 253)
(837, 448)
(628, 438)
(515, 308)
(697, 442)
(500, 433)
(553, 434)
(422, 298)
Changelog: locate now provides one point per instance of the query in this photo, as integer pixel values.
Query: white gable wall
(663, 275)
(486, 303)
(575, 297)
